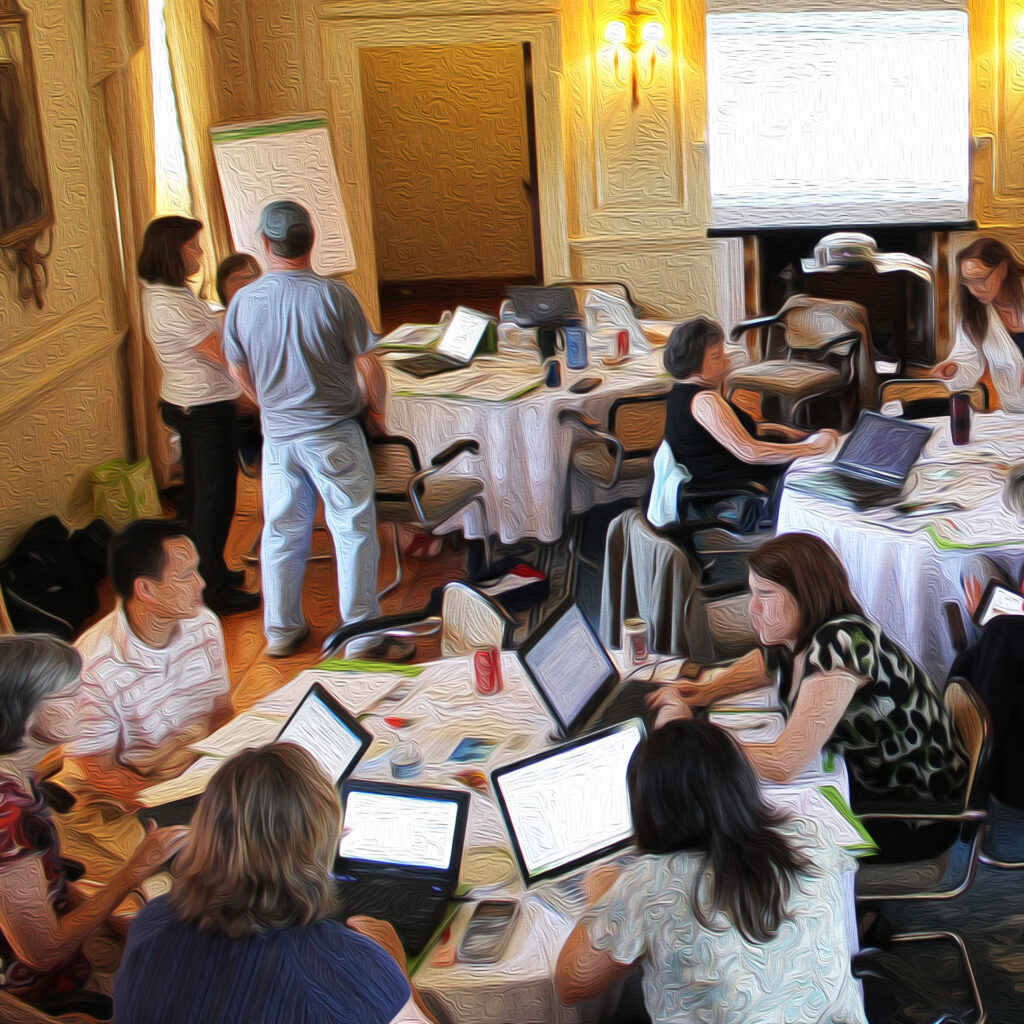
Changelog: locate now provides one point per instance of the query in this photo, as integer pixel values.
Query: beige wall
(448, 152)
(62, 409)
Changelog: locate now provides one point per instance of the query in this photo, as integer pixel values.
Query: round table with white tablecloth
(502, 402)
(905, 561)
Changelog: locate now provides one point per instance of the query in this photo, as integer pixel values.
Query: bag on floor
(46, 586)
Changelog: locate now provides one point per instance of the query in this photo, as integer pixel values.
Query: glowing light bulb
(653, 32)
(615, 32)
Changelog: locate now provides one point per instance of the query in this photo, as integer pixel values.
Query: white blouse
(1005, 363)
(176, 321)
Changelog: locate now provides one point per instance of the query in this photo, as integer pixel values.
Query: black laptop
(873, 464)
(321, 726)
(400, 854)
(538, 306)
(455, 350)
(569, 807)
(574, 677)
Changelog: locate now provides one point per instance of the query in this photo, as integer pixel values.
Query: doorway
(452, 158)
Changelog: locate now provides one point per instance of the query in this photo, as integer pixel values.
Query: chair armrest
(575, 417)
(918, 389)
(454, 450)
(749, 325)
(590, 426)
(341, 636)
(963, 817)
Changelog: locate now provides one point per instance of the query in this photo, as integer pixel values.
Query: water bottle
(575, 347)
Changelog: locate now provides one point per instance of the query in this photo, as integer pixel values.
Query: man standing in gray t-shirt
(294, 340)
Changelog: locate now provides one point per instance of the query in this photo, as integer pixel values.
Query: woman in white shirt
(990, 327)
(197, 398)
(734, 913)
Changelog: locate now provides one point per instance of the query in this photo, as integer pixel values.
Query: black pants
(209, 459)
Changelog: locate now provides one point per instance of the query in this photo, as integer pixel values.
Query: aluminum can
(635, 640)
(960, 418)
(553, 377)
(487, 669)
(622, 344)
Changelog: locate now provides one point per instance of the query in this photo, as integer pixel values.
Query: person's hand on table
(383, 933)
(824, 441)
(671, 705)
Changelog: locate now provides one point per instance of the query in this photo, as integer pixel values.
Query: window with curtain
(173, 192)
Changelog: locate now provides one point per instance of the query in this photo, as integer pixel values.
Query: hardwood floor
(253, 674)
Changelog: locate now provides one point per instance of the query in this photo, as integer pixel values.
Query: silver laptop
(873, 464)
(455, 350)
(567, 808)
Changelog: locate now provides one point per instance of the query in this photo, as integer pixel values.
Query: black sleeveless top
(709, 463)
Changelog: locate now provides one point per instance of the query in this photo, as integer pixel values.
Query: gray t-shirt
(297, 335)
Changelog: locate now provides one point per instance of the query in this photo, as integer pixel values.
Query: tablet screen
(1000, 601)
(319, 726)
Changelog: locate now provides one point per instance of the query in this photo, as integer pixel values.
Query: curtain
(117, 54)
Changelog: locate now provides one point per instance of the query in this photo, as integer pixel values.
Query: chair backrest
(812, 323)
(638, 421)
(974, 729)
(469, 621)
(395, 462)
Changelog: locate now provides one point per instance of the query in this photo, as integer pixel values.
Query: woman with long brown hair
(845, 687)
(734, 913)
(990, 325)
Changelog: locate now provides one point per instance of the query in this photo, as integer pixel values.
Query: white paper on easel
(261, 161)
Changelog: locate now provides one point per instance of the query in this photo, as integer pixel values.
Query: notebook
(319, 724)
(537, 306)
(456, 348)
(872, 466)
(568, 808)
(576, 680)
(400, 854)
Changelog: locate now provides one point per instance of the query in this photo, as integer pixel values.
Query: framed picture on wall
(26, 206)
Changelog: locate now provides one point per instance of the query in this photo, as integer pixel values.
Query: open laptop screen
(883, 447)
(570, 806)
(463, 334)
(569, 667)
(323, 728)
(413, 828)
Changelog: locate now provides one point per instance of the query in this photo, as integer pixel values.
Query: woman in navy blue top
(249, 931)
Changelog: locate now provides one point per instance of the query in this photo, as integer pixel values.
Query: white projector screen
(838, 119)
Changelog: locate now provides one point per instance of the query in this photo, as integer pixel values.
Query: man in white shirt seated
(154, 673)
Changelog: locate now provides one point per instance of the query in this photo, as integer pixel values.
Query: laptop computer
(872, 466)
(538, 306)
(455, 350)
(574, 677)
(400, 855)
(320, 725)
(567, 808)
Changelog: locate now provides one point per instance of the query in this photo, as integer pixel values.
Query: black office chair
(935, 879)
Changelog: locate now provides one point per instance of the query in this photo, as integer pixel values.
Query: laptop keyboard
(413, 909)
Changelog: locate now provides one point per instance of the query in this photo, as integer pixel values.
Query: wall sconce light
(636, 44)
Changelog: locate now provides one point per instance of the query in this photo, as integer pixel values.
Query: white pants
(336, 465)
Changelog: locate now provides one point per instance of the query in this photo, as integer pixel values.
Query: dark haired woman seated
(735, 914)
(716, 442)
(846, 687)
(249, 931)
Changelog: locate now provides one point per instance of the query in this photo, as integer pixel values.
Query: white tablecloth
(442, 707)
(903, 566)
(524, 451)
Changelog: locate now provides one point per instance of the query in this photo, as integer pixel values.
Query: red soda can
(487, 666)
(622, 344)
